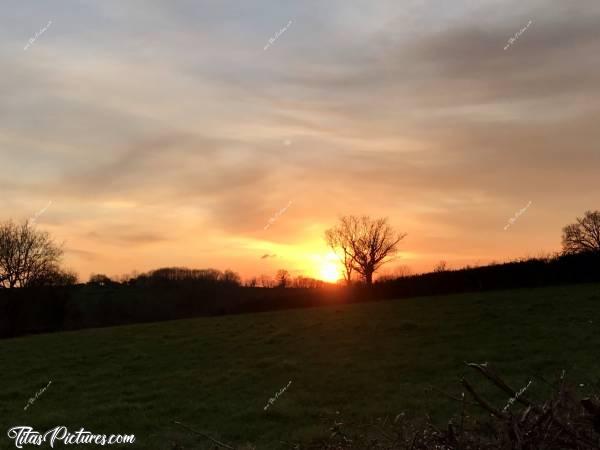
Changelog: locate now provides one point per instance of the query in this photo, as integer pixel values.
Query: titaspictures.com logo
(24, 435)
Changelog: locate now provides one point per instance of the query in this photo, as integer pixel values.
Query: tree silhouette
(100, 279)
(282, 277)
(363, 244)
(442, 266)
(583, 236)
(29, 257)
(231, 278)
(266, 281)
(342, 248)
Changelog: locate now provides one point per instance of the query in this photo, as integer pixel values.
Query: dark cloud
(118, 235)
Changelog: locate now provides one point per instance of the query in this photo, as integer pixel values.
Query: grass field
(364, 360)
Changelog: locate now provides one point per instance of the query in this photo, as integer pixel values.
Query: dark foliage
(584, 235)
(177, 293)
(536, 272)
(34, 310)
(562, 421)
(29, 257)
(182, 276)
(100, 280)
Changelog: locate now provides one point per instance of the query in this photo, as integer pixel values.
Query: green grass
(364, 360)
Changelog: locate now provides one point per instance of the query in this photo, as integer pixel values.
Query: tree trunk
(369, 278)
(348, 275)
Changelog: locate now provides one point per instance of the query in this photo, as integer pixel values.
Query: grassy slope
(364, 360)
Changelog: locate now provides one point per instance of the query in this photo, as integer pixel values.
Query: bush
(562, 421)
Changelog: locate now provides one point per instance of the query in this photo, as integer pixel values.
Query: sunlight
(329, 272)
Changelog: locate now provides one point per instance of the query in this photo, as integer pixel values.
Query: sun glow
(329, 272)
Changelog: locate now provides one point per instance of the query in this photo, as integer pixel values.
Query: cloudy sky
(213, 133)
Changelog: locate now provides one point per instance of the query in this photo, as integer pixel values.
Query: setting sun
(313, 185)
(329, 272)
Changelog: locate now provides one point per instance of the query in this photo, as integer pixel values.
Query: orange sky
(165, 134)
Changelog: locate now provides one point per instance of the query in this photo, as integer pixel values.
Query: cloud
(84, 254)
(159, 128)
(119, 236)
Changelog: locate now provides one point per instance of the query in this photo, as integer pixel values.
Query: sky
(143, 134)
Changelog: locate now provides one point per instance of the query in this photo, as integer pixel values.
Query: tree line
(31, 258)
(177, 293)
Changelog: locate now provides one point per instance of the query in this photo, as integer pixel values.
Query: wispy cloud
(379, 99)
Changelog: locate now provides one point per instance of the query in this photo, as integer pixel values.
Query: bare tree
(55, 276)
(282, 277)
(341, 247)
(28, 257)
(266, 281)
(442, 266)
(231, 278)
(402, 271)
(363, 244)
(583, 236)
(307, 282)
